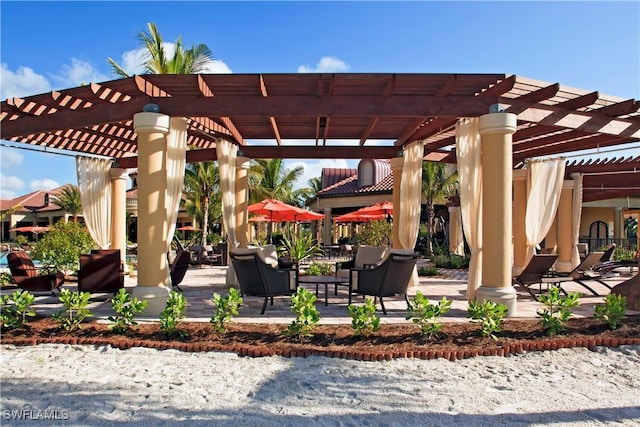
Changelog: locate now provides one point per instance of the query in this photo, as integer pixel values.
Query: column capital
(243, 162)
(328, 210)
(118, 173)
(502, 123)
(151, 122)
(396, 163)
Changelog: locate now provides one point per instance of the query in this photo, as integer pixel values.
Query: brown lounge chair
(101, 272)
(25, 275)
(538, 272)
(178, 268)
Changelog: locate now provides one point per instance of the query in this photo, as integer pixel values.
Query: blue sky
(56, 45)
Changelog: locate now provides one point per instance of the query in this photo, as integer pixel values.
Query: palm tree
(315, 186)
(191, 61)
(202, 189)
(69, 201)
(271, 180)
(437, 183)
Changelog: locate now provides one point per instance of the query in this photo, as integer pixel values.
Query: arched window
(598, 233)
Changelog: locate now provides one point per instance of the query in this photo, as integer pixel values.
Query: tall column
(618, 223)
(242, 201)
(496, 132)
(118, 178)
(153, 277)
(396, 167)
(565, 229)
(456, 238)
(519, 221)
(327, 236)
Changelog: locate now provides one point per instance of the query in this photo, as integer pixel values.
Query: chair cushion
(369, 255)
(267, 254)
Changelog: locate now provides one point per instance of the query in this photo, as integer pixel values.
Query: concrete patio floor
(200, 283)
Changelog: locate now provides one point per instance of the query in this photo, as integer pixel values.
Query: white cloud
(43, 184)
(327, 64)
(77, 73)
(132, 61)
(11, 186)
(9, 158)
(313, 169)
(22, 82)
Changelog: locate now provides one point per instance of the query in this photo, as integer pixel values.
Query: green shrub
(427, 315)
(21, 240)
(307, 315)
(15, 308)
(173, 313)
(558, 310)
(319, 269)
(5, 278)
(75, 311)
(489, 314)
(226, 308)
(427, 271)
(375, 233)
(61, 247)
(363, 318)
(612, 311)
(441, 261)
(458, 261)
(126, 308)
(299, 247)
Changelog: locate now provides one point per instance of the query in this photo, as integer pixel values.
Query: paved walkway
(200, 284)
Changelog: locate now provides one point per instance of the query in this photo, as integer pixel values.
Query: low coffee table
(326, 280)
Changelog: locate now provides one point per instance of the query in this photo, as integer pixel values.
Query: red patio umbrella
(35, 229)
(187, 228)
(381, 208)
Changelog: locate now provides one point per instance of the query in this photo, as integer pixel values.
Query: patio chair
(259, 276)
(101, 271)
(25, 275)
(389, 278)
(366, 256)
(178, 268)
(538, 272)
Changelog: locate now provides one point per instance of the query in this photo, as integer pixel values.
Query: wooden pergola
(319, 116)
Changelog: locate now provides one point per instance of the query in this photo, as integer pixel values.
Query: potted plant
(297, 247)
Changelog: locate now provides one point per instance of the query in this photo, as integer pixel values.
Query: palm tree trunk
(205, 219)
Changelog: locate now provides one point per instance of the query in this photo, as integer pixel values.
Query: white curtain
(227, 154)
(545, 179)
(176, 159)
(95, 194)
(577, 217)
(410, 194)
(470, 179)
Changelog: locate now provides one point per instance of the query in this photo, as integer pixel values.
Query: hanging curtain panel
(545, 186)
(227, 154)
(577, 217)
(176, 159)
(95, 193)
(470, 180)
(410, 194)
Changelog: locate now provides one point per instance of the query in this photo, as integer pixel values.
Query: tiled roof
(330, 176)
(35, 198)
(349, 186)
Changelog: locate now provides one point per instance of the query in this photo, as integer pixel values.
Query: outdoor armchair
(389, 278)
(259, 275)
(101, 271)
(25, 275)
(366, 256)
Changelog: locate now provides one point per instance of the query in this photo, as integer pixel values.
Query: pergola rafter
(340, 115)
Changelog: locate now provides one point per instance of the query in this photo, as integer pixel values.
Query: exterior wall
(590, 215)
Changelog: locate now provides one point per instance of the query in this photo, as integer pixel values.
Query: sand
(102, 386)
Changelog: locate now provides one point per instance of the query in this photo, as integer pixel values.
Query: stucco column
(242, 201)
(396, 167)
(153, 286)
(565, 229)
(496, 132)
(456, 240)
(118, 178)
(618, 223)
(519, 221)
(327, 237)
